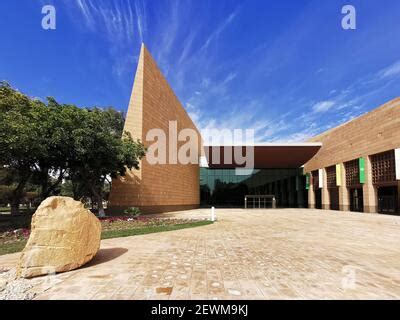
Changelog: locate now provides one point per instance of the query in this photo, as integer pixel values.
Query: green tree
(45, 144)
(101, 154)
(59, 125)
(20, 143)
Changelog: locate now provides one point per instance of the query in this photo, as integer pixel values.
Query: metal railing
(257, 201)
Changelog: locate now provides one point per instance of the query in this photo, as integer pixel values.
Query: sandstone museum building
(353, 167)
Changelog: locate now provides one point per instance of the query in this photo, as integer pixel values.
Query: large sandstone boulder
(64, 236)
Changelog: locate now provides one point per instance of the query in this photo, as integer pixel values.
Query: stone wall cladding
(373, 132)
(155, 188)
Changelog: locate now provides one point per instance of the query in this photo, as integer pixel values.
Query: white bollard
(212, 214)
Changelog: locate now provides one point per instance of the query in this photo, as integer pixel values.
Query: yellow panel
(338, 174)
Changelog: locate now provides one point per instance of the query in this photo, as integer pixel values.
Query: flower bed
(14, 235)
(123, 223)
(13, 241)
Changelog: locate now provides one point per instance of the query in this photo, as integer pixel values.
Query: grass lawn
(15, 245)
(151, 229)
(11, 247)
(21, 210)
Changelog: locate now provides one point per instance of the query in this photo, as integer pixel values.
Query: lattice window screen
(383, 167)
(352, 173)
(331, 177)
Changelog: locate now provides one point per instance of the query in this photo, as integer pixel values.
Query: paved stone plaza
(247, 254)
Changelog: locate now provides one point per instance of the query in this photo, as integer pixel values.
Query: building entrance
(356, 200)
(225, 188)
(334, 198)
(384, 179)
(333, 189)
(318, 198)
(388, 200)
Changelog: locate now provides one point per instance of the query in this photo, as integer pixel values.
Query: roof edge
(267, 144)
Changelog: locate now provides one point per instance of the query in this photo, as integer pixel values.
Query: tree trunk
(100, 206)
(16, 198)
(47, 188)
(17, 195)
(99, 199)
(14, 207)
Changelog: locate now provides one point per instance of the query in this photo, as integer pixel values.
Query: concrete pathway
(247, 254)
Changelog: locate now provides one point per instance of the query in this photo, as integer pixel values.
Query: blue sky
(284, 68)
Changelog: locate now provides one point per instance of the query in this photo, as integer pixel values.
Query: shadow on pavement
(105, 255)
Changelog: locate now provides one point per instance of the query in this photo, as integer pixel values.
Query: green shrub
(133, 212)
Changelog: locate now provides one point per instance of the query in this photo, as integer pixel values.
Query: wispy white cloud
(208, 85)
(390, 71)
(167, 34)
(124, 64)
(112, 19)
(229, 78)
(86, 12)
(205, 82)
(187, 47)
(219, 89)
(122, 23)
(300, 136)
(140, 18)
(344, 104)
(323, 106)
(215, 34)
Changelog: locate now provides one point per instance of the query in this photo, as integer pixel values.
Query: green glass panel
(361, 162)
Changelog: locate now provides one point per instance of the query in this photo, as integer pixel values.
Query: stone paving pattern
(246, 254)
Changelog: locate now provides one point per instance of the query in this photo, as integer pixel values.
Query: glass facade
(226, 188)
